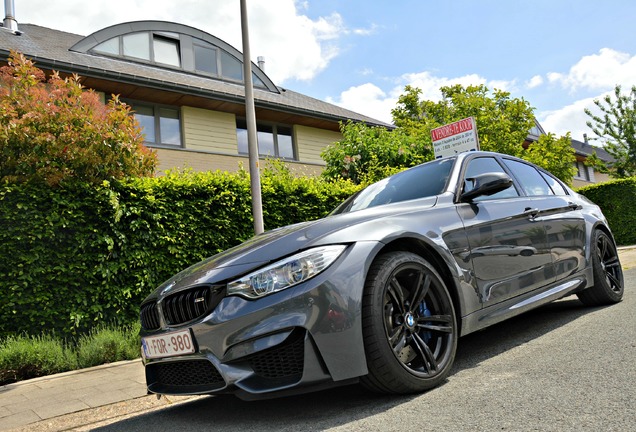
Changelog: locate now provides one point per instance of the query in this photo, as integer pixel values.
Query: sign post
(453, 138)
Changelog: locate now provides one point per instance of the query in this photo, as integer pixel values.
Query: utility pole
(250, 112)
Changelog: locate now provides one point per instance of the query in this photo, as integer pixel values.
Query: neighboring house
(586, 175)
(186, 88)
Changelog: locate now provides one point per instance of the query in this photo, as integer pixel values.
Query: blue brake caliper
(424, 312)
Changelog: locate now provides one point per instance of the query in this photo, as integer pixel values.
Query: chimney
(261, 62)
(9, 20)
(585, 138)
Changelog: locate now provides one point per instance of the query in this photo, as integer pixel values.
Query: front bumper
(303, 338)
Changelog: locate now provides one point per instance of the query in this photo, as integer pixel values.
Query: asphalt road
(563, 367)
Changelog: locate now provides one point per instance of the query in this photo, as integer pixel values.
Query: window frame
(156, 109)
(274, 127)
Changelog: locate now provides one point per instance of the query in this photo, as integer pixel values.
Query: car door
(563, 219)
(508, 241)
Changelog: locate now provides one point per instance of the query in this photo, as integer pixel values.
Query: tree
(553, 154)
(502, 122)
(366, 154)
(616, 128)
(54, 130)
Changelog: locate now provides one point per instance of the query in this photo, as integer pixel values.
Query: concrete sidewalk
(39, 399)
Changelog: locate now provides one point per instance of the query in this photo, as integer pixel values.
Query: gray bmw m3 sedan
(379, 291)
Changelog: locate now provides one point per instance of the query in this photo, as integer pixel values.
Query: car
(379, 291)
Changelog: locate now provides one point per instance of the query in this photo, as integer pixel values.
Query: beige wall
(211, 144)
(203, 161)
(312, 141)
(596, 177)
(211, 131)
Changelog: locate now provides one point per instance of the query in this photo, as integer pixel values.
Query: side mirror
(487, 184)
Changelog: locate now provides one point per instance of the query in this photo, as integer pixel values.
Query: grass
(23, 356)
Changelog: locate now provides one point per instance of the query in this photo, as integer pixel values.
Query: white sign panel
(454, 138)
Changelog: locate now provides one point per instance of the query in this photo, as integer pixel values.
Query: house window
(231, 67)
(166, 51)
(161, 125)
(582, 171)
(172, 46)
(274, 140)
(205, 59)
(137, 45)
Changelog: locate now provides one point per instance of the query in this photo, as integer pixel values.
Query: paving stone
(16, 420)
(59, 407)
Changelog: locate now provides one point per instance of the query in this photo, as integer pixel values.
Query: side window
(531, 180)
(485, 165)
(557, 187)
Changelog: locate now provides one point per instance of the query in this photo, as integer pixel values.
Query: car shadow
(492, 341)
(339, 406)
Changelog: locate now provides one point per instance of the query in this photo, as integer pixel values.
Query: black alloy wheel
(608, 274)
(409, 325)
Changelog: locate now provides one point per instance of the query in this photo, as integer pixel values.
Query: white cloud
(370, 100)
(294, 46)
(534, 82)
(600, 71)
(571, 118)
(367, 99)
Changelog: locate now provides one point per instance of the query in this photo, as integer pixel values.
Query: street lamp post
(250, 113)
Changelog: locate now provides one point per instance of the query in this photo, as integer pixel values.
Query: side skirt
(523, 303)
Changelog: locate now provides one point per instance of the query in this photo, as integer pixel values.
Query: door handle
(574, 206)
(531, 212)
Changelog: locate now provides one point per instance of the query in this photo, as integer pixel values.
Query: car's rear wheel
(409, 325)
(608, 275)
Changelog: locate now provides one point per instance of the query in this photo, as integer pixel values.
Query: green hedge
(617, 199)
(79, 255)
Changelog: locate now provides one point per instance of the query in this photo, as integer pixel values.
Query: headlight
(285, 273)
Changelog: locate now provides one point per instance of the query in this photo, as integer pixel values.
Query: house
(186, 88)
(586, 175)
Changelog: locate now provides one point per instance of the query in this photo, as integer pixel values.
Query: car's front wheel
(409, 325)
(608, 275)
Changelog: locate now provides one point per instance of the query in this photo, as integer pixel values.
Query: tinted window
(205, 59)
(486, 165)
(557, 187)
(531, 180)
(419, 182)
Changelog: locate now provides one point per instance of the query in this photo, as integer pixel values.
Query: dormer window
(148, 46)
(173, 46)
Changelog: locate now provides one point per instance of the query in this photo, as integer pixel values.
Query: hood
(364, 225)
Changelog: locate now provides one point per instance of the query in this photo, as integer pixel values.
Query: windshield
(418, 182)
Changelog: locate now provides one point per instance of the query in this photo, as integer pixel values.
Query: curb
(68, 373)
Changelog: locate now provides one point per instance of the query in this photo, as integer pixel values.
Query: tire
(409, 325)
(608, 275)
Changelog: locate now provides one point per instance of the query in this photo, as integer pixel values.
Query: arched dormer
(172, 46)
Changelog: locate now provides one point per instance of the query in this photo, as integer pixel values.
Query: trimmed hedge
(617, 199)
(80, 255)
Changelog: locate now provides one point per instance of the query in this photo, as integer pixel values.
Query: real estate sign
(454, 138)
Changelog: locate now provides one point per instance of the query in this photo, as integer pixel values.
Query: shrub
(616, 198)
(108, 344)
(54, 131)
(24, 357)
(78, 255)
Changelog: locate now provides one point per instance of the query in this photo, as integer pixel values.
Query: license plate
(168, 344)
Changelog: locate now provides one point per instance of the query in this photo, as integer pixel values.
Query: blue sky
(559, 55)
